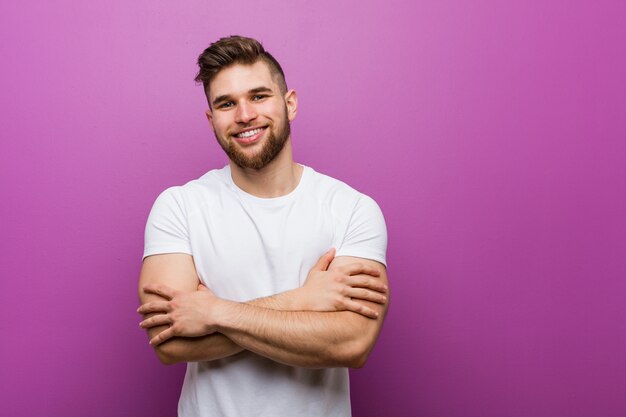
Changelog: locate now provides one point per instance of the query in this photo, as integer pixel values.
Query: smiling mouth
(249, 133)
(249, 136)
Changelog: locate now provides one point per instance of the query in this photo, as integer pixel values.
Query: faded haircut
(236, 50)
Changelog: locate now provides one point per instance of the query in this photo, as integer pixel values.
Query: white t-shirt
(245, 247)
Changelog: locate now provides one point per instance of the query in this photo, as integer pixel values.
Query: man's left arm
(306, 338)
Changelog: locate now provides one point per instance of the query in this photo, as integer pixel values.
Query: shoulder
(337, 193)
(210, 183)
(332, 187)
(361, 229)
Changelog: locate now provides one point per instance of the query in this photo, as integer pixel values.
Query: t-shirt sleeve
(366, 236)
(166, 229)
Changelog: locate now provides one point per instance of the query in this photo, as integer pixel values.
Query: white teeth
(248, 133)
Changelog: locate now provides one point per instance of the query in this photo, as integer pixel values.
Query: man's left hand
(188, 314)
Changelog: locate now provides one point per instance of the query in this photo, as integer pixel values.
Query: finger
(359, 268)
(366, 295)
(325, 260)
(158, 320)
(162, 337)
(360, 309)
(160, 289)
(154, 307)
(362, 281)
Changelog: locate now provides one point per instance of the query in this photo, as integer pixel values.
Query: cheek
(279, 112)
(219, 125)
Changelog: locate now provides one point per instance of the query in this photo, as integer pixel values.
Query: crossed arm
(333, 320)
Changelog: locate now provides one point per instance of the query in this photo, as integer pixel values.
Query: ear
(209, 117)
(291, 100)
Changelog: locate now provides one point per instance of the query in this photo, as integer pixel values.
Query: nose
(245, 113)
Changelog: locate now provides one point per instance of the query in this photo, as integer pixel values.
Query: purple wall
(491, 133)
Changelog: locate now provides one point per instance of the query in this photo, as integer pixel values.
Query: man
(232, 280)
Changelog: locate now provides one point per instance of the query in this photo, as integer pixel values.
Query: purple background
(491, 133)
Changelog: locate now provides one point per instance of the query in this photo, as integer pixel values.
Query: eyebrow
(226, 97)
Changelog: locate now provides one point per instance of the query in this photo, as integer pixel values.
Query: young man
(232, 280)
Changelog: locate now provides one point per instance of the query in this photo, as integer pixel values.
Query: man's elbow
(167, 354)
(355, 354)
(166, 359)
(359, 358)
(356, 361)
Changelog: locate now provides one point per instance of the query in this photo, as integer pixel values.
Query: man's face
(250, 116)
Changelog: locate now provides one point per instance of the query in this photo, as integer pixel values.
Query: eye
(258, 97)
(226, 105)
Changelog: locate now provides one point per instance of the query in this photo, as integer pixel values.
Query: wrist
(285, 301)
(297, 300)
(225, 315)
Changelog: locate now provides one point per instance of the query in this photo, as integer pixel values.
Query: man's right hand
(340, 289)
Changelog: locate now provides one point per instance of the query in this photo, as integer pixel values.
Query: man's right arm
(178, 271)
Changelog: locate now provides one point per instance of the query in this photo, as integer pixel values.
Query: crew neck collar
(306, 172)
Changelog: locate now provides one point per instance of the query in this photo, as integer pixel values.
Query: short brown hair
(235, 50)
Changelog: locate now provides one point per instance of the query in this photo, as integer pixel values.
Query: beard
(274, 143)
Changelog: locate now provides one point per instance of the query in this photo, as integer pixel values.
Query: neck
(278, 178)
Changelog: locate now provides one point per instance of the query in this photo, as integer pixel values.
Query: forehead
(238, 79)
